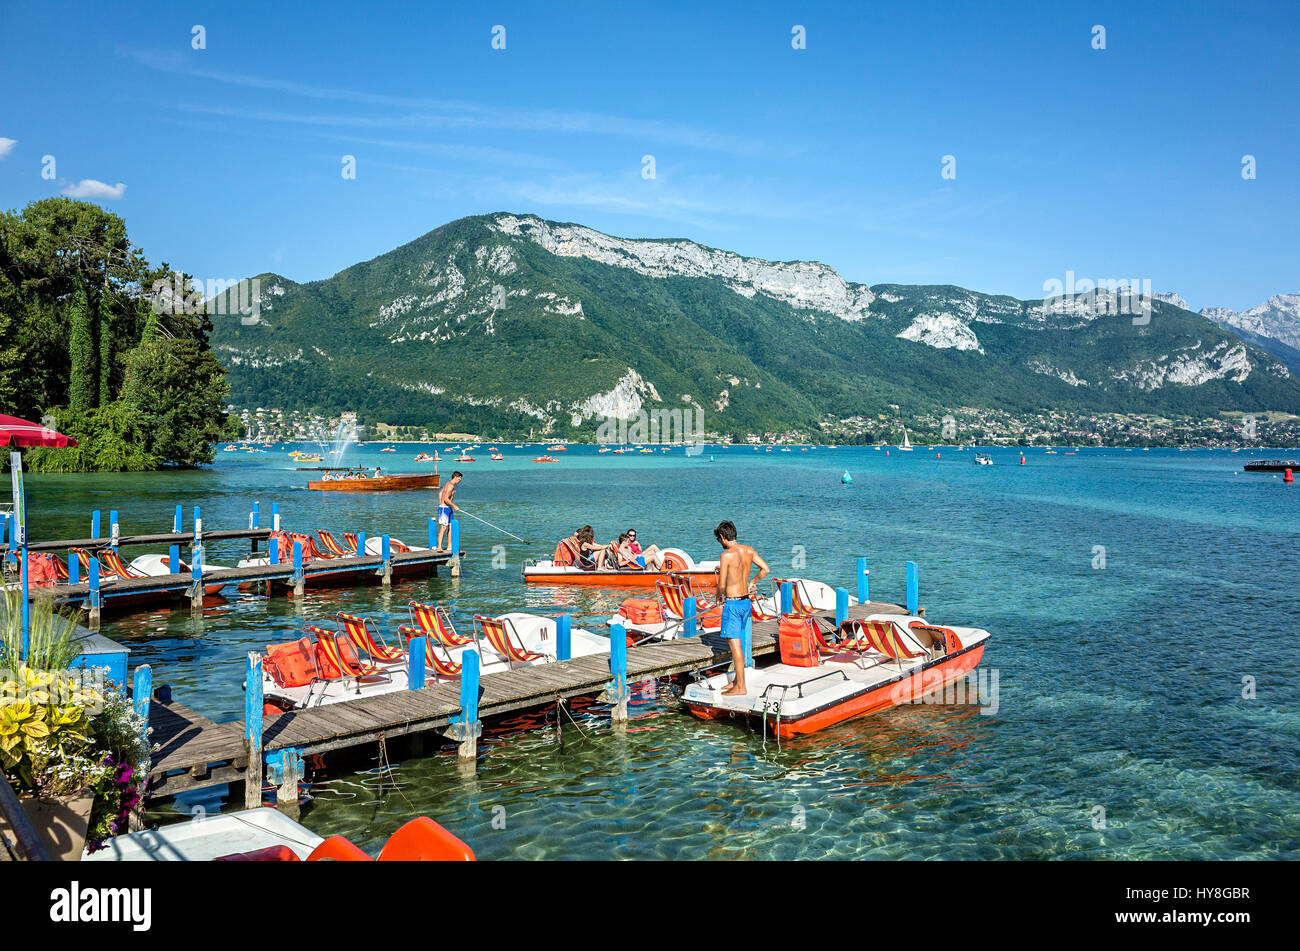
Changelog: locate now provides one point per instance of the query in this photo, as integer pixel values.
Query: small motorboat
(358, 480)
(388, 449)
(546, 459)
(878, 662)
(1272, 465)
(557, 448)
(267, 835)
(559, 569)
(983, 459)
(296, 675)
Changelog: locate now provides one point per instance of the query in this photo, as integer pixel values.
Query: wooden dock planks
(212, 753)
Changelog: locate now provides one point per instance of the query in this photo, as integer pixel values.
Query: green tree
(83, 385)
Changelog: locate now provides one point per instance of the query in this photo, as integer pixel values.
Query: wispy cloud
(92, 188)
(419, 112)
(6, 146)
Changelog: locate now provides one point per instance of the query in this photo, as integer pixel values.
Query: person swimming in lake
(734, 584)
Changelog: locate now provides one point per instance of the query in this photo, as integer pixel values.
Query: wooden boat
(884, 664)
(676, 562)
(360, 482)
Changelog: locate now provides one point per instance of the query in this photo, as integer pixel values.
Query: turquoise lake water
(1120, 688)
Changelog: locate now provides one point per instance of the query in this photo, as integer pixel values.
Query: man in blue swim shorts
(446, 506)
(735, 585)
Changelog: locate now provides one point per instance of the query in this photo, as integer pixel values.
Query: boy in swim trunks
(447, 505)
(735, 585)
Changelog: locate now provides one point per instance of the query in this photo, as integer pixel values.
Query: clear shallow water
(1119, 688)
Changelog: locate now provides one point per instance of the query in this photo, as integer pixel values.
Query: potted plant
(70, 749)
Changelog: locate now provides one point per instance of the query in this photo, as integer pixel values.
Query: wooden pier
(194, 752)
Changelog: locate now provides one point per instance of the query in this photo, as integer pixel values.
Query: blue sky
(1116, 163)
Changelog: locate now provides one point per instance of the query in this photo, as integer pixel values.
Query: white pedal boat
(534, 632)
(798, 700)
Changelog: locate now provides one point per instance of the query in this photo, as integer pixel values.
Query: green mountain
(501, 323)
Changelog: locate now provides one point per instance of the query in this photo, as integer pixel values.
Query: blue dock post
(841, 606)
(298, 579)
(361, 543)
(386, 554)
(564, 637)
(433, 533)
(196, 576)
(94, 524)
(787, 598)
(178, 521)
(275, 516)
(913, 587)
(198, 525)
(112, 530)
(617, 692)
(454, 535)
(864, 582)
(415, 663)
(255, 517)
(142, 691)
(93, 582)
(253, 730)
(74, 568)
(690, 610)
(466, 727)
(273, 551)
(174, 559)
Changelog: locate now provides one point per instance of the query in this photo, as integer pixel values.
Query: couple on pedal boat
(624, 554)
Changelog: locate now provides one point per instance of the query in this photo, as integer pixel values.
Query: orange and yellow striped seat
(339, 660)
(673, 597)
(886, 637)
(359, 632)
(494, 629)
(350, 540)
(433, 652)
(331, 545)
(431, 619)
(112, 562)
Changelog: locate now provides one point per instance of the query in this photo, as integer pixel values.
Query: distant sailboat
(907, 443)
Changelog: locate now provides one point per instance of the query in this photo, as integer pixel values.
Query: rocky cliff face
(1278, 318)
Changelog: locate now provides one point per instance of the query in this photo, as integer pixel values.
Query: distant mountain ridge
(1273, 326)
(507, 322)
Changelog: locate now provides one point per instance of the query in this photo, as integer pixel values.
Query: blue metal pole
(112, 529)
(864, 582)
(143, 690)
(415, 664)
(361, 543)
(94, 524)
(455, 536)
(297, 559)
(198, 525)
(273, 551)
(747, 639)
(27, 617)
(564, 637)
(257, 515)
(787, 597)
(618, 659)
(469, 688)
(174, 559)
(74, 569)
(913, 587)
(689, 609)
(178, 521)
(275, 516)
(433, 533)
(93, 581)
(841, 606)
(384, 550)
(196, 565)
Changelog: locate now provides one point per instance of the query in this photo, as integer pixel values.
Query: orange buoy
(886, 452)
(936, 455)
(1288, 477)
(1022, 458)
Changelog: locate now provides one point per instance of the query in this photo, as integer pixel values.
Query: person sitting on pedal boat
(650, 558)
(590, 555)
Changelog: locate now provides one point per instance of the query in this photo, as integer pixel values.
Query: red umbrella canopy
(20, 432)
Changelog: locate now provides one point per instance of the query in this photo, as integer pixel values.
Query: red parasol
(19, 432)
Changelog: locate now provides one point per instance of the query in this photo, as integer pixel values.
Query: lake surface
(1124, 725)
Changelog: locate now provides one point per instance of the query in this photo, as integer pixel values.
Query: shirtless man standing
(447, 505)
(735, 585)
